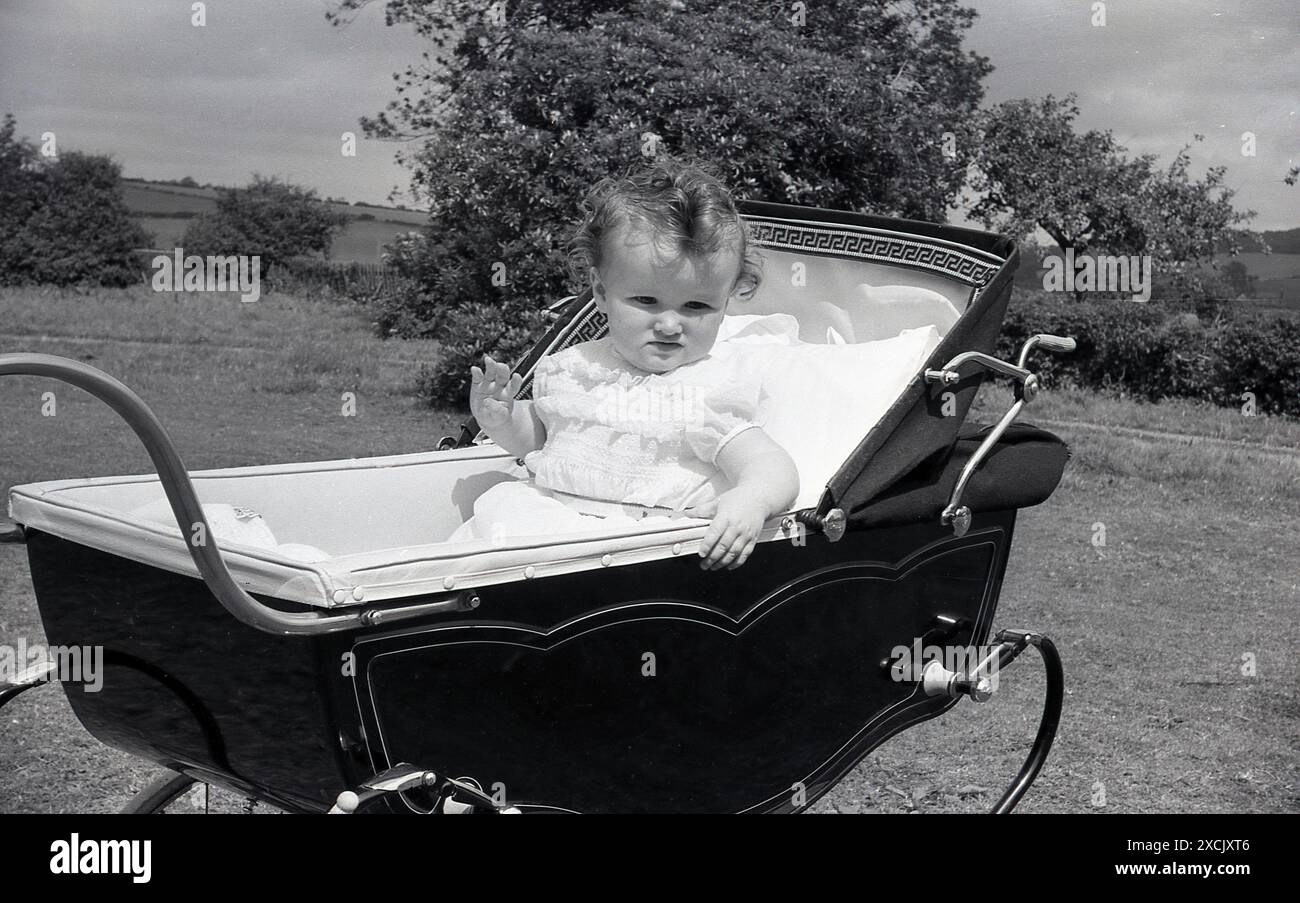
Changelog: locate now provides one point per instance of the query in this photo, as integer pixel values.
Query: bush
(1261, 356)
(63, 221)
(270, 218)
(1152, 352)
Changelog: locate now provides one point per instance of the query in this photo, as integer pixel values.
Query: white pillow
(887, 310)
(823, 399)
(758, 329)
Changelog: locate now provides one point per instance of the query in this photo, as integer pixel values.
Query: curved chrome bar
(180, 493)
(957, 515)
(949, 375)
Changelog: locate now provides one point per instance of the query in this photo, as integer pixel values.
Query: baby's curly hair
(686, 207)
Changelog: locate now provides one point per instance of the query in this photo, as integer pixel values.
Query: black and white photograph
(650, 406)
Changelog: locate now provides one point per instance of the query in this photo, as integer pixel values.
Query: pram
(357, 663)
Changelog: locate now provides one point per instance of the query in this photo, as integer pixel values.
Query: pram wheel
(174, 794)
(162, 792)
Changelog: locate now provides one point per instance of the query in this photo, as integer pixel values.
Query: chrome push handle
(957, 515)
(1059, 344)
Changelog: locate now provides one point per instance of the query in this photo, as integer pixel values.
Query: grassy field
(1198, 571)
(361, 241)
(1278, 278)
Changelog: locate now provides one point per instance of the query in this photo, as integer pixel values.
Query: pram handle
(1061, 344)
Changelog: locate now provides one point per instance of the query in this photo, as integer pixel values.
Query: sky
(270, 87)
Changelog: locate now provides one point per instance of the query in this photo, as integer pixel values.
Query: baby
(645, 421)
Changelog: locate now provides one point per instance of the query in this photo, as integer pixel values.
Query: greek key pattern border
(588, 325)
(875, 247)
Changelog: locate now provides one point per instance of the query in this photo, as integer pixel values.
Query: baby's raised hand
(492, 393)
(738, 518)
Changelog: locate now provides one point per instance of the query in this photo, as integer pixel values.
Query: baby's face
(663, 313)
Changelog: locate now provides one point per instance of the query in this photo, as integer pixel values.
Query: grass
(1197, 571)
(213, 368)
(1175, 415)
(1177, 442)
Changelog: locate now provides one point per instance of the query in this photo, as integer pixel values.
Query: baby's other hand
(492, 393)
(738, 518)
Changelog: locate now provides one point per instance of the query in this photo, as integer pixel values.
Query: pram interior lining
(374, 520)
(862, 302)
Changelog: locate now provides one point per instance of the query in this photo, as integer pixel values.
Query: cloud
(271, 86)
(1159, 72)
(262, 86)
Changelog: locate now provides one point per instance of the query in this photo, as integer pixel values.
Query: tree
(20, 187)
(527, 104)
(1034, 171)
(63, 221)
(270, 218)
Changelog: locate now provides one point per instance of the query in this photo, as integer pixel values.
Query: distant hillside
(1283, 242)
(1274, 277)
(165, 209)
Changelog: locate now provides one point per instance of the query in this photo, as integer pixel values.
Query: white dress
(619, 435)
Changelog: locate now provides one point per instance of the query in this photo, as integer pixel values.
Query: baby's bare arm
(761, 469)
(523, 433)
(765, 483)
